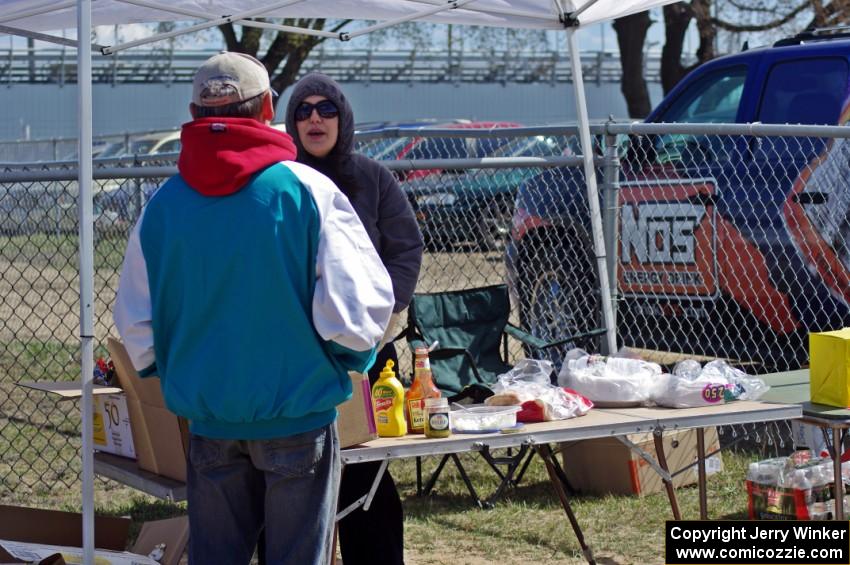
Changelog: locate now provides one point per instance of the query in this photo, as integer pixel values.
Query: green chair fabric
(469, 326)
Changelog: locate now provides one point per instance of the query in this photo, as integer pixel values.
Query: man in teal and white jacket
(251, 288)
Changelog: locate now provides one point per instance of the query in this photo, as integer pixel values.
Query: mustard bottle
(388, 403)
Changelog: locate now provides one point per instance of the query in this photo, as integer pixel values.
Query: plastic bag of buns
(529, 386)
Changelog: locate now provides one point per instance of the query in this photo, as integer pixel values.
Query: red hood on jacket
(219, 155)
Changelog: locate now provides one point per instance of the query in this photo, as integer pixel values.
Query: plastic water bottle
(689, 369)
(801, 482)
(753, 473)
(817, 507)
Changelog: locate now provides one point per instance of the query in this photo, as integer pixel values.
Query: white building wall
(45, 111)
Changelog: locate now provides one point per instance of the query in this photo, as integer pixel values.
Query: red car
(452, 147)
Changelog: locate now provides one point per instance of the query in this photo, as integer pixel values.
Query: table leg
(668, 483)
(701, 477)
(545, 453)
(333, 544)
(839, 480)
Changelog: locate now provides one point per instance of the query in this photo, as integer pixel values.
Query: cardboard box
(829, 367)
(29, 530)
(606, 465)
(112, 432)
(161, 438)
(356, 421)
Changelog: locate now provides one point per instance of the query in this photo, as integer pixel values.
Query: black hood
(322, 85)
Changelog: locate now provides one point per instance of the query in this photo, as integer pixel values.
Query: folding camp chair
(470, 325)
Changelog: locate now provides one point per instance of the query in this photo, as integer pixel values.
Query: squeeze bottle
(388, 403)
(421, 388)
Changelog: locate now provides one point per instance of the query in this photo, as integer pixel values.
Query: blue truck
(732, 246)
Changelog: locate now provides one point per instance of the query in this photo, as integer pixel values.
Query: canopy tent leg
(86, 216)
(610, 344)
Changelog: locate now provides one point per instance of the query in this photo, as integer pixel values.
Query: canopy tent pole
(592, 194)
(84, 181)
(42, 37)
(37, 11)
(451, 5)
(199, 27)
(247, 23)
(501, 10)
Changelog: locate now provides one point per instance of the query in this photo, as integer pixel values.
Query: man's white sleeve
(353, 299)
(132, 312)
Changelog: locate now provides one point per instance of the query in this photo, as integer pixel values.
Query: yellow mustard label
(381, 391)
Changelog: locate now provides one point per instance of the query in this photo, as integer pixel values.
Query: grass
(527, 525)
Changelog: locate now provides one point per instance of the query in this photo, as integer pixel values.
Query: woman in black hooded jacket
(325, 142)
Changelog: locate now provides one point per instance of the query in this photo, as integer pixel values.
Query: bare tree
(677, 20)
(287, 51)
(631, 35)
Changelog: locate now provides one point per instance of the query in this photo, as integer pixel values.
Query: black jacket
(373, 192)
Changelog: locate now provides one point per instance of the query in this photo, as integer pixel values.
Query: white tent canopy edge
(26, 16)
(540, 14)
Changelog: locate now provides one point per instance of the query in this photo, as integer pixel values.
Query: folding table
(599, 422)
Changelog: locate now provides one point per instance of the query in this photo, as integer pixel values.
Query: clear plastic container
(480, 418)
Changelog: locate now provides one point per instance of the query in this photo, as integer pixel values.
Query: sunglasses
(325, 108)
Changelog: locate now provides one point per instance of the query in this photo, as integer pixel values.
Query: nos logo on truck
(668, 239)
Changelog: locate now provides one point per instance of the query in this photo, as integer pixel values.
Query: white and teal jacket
(251, 298)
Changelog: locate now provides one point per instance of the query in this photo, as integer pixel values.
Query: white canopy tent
(31, 18)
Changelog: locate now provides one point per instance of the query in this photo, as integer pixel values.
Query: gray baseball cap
(227, 78)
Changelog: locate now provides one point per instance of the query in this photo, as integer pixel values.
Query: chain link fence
(724, 241)
(731, 240)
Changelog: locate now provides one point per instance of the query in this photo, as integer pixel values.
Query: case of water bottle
(798, 487)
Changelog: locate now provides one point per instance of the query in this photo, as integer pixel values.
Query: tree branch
(250, 42)
(750, 8)
(229, 37)
(729, 26)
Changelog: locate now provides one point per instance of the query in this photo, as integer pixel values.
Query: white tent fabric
(542, 14)
(27, 16)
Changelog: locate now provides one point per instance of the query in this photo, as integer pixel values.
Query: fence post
(610, 227)
(138, 196)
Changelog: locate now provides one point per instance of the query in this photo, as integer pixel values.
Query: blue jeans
(289, 485)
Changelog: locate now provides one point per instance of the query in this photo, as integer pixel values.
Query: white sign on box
(112, 432)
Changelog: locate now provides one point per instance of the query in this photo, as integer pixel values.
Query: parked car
(119, 202)
(155, 144)
(730, 246)
(422, 147)
(389, 148)
(473, 207)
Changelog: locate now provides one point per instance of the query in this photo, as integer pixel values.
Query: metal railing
(54, 66)
(723, 240)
